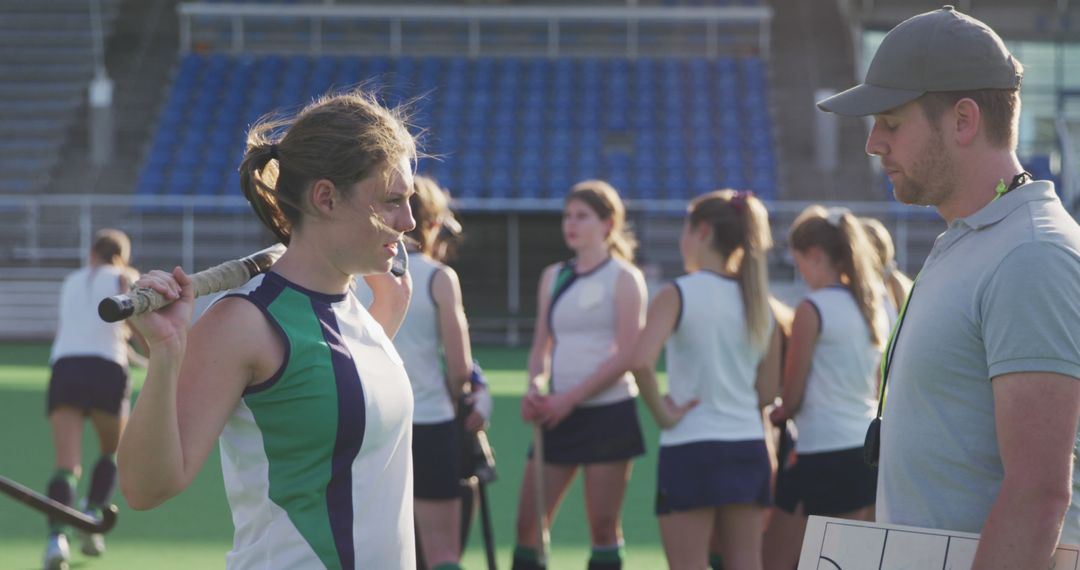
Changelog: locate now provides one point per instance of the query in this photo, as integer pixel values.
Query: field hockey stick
(485, 524)
(543, 535)
(59, 510)
(232, 273)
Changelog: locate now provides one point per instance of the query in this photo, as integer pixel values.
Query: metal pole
(316, 36)
(474, 38)
(238, 34)
(712, 39)
(188, 238)
(395, 37)
(513, 277)
(902, 243)
(553, 38)
(33, 228)
(86, 224)
(185, 33)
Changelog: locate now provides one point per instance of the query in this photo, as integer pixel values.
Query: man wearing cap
(979, 431)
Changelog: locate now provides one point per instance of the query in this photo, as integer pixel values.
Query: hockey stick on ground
(232, 273)
(543, 535)
(59, 510)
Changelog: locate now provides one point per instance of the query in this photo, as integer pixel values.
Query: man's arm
(1036, 414)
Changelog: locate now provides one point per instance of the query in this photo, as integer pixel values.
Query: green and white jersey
(317, 461)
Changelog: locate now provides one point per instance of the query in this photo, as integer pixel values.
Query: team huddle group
(339, 392)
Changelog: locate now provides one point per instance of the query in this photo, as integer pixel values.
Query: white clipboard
(840, 544)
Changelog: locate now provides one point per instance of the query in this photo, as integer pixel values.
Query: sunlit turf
(194, 530)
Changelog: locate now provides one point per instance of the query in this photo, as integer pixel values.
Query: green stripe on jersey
(298, 418)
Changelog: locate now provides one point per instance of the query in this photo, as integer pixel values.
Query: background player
(723, 364)
(590, 312)
(89, 380)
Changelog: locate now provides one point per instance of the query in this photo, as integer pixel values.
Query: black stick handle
(59, 510)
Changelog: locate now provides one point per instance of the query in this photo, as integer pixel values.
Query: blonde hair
(740, 224)
(881, 241)
(430, 205)
(603, 199)
(840, 235)
(343, 138)
(112, 247)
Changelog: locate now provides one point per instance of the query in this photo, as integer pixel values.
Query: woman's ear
(323, 196)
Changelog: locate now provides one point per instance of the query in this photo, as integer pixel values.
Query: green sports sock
(448, 566)
(62, 490)
(606, 557)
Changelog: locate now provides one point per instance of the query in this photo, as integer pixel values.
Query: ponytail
(861, 268)
(740, 226)
(112, 247)
(841, 236)
(259, 173)
(343, 138)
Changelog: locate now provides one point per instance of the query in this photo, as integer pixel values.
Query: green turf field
(194, 530)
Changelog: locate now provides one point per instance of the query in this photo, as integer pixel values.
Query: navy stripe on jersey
(262, 297)
(678, 313)
(352, 418)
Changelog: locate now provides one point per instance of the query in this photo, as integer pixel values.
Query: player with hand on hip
(723, 363)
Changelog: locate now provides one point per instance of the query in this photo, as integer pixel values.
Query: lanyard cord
(886, 362)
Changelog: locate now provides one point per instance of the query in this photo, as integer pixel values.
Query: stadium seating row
(506, 128)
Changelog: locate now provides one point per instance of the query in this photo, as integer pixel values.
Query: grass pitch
(194, 530)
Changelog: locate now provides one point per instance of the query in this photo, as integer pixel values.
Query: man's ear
(967, 121)
(323, 196)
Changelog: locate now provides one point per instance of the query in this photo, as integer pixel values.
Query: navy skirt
(595, 434)
(705, 474)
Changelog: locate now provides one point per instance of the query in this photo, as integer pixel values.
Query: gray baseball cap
(942, 50)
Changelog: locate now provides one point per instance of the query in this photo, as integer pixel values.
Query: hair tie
(738, 201)
(274, 152)
(833, 215)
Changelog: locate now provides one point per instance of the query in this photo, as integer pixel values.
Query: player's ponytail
(842, 238)
(430, 206)
(342, 138)
(112, 247)
(741, 234)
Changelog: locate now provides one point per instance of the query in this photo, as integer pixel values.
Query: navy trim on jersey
(352, 418)
(820, 319)
(262, 296)
(682, 303)
(328, 298)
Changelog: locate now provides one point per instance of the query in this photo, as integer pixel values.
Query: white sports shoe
(57, 552)
(93, 544)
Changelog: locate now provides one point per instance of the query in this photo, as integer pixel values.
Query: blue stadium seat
(507, 127)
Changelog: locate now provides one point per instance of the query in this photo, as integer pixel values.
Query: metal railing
(711, 22)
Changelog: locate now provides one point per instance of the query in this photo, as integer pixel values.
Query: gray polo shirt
(999, 293)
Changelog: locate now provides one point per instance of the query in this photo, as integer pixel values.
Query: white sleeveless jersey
(317, 461)
(582, 321)
(420, 346)
(80, 331)
(841, 390)
(710, 358)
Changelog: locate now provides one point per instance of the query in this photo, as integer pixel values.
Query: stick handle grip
(227, 275)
